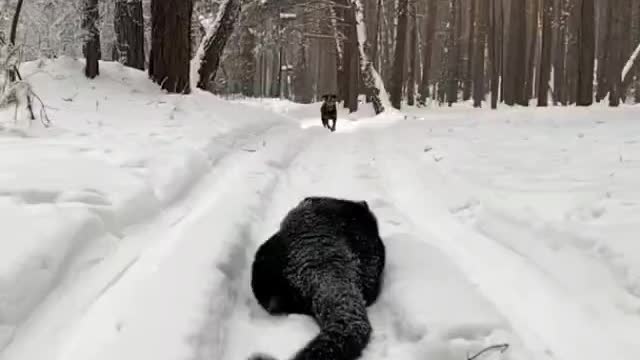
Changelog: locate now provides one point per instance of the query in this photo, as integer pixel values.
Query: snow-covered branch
(630, 63)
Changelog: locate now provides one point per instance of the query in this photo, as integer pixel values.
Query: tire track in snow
(546, 316)
(48, 327)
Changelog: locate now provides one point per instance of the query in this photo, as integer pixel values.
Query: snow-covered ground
(129, 226)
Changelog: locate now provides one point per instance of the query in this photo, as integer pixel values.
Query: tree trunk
(635, 29)
(515, 66)
(480, 41)
(495, 50)
(12, 37)
(468, 61)
(399, 55)
(350, 58)
(573, 8)
(212, 46)
(169, 60)
(335, 10)
(531, 51)
(247, 57)
(604, 51)
(544, 75)
(427, 50)
(376, 40)
(616, 43)
(14, 22)
(560, 54)
(451, 46)
(129, 29)
(411, 75)
(372, 82)
(91, 47)
(587, 49)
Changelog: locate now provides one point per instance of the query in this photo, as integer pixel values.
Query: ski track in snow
(537, 296)
(458, 321)
(85, 288)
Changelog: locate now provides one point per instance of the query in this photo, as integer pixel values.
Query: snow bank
(549, 194)
(120, 151)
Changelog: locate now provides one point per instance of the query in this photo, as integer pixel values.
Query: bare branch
(501, 347)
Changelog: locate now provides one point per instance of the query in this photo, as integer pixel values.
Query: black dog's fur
(326, 261)
(329, 111)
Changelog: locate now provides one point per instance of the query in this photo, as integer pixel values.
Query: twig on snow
(501, 347)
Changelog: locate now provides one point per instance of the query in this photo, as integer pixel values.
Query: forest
(388, 52)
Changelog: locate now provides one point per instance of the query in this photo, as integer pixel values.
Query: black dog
(329, 111)
(326, 260)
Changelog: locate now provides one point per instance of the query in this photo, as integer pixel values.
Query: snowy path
(517, 226)
(460, 276)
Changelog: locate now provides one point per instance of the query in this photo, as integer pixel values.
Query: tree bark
(169, 62)
(587, 49)
(372, 81)
(411, 75)
(468, 60)
(544, 75)
(482, 18)
(531, 50)
(427, 50)
(212, 46)
(129, 29)
(515, 66)
(496, 50)
(615, 61)
(560, 54)
(399, 55)
(91, 46)
(451, 46)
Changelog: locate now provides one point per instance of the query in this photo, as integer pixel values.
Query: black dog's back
(326, 260)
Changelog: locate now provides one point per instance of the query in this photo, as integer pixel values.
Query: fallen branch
(502, 348)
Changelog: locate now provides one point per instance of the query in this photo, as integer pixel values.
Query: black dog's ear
(324, 97)
(364, 203)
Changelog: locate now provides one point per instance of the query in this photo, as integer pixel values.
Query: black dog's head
(330, 99)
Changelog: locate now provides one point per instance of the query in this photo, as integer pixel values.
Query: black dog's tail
(339, 308)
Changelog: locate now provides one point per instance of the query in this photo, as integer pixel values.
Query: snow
(130, 224)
